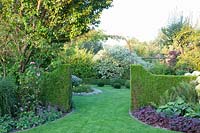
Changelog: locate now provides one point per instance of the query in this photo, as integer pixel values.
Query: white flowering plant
(114, 62)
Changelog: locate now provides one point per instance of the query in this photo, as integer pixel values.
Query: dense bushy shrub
(100, 83)
(127, 84)
(147, 87)
(76, 81)
(7, 96)
(82, 88)
(163, 69)
(189, 60)
(117, 80)
(113, 62)
(116, 85)
(56, 88)
(104, 81)
(184, 90)
(28, 90)
(81, 62)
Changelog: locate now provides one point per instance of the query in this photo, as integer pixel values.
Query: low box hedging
(147, 88)
(56, 88)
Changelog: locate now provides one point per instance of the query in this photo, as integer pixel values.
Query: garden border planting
(147, 88)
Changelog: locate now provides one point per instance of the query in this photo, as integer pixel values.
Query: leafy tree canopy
(36, 29)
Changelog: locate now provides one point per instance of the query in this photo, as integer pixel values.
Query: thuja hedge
(147, 88)
(56, 88)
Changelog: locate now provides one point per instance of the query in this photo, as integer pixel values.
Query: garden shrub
(184, 90)
(116, 85)
(56, 88)
(114, 62)
(81, 62)
(100, 83)
(76, 81)
(159, 68)
(28, 89)
(82, 88)
(189, 60)
(121, 81)
(104, 81)
(147, 87)
(7, 96)
(95, 81)
(127, 84)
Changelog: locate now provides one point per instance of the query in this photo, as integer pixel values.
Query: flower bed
(149, 116)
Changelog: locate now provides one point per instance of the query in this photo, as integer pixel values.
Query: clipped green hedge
(147, 87)
(56, 88)
(105, 81)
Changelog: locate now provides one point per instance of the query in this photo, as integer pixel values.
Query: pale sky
(144, 18)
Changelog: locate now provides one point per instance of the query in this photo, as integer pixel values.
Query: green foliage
(82, 88)
(179, 108)
(117, 80)
(36, 30)
(96, 81)
(91, 41)
(190, 60)
(116, 85)
(6, 124)
(76, 81)
(81, 63)
(100, 83)
(127, 84)
(114, 62)
(169, 32)
(184, 90)
(104, 81)
(108, 68)
(27, 120)
(147, 88)
(7, 96)
(28, 90)
(143, 49)
(56, 88)
(50, 115)
(161, 68)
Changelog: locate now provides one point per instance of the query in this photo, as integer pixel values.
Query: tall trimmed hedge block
(56, 88)
(147, 87)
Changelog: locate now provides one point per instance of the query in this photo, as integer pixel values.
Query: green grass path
(103, 113)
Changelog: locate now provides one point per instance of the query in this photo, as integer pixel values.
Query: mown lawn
(103, 113)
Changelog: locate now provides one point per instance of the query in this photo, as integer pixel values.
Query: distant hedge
(105, 81)
(147, 87)
(56, 88)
